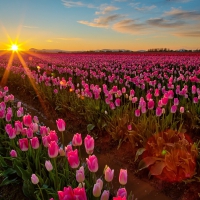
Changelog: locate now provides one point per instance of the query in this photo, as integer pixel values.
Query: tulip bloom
(35, 143)
(48, 165)
(45, 141)
(137, 112)
(73, 158)
(68, 148)
(80, 175)
(123, 176)
(92, 163)
(61, 125)
(96, 190)
(182, 109)
(53, 149)
(18, 126)
(34, 179)
(158, 111)
(23, 144)
(43, 130)
(105, 195)
(122, 192)
(173, 109)
(13, 153)
(109, 174)
(27, 120)
(89, 144)
(77, 140)
(52, 136)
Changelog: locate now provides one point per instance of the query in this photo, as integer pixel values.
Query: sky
(92, 25)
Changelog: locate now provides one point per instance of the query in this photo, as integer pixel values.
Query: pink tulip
(117, 102)
(73, 158)
(119, 198)
(80, 194)
(182, 109)
(123, 176)
(100, 183)
(27, 120)
(23, 144)
(92, 163)
(20, 112)
(5, 89)
(48, 165)
(29, 133)
(53, 149)
(45, 141)
(158, 111)
(105, 195)
(176, 101)
(34, 179)
(43, 130)
(150, 104)
(129, 127)
(61, 125)
(34, 127)
(19, 104)
(35, 143)
(109, 174)
(89, 144)
(173, 109)
(96, 190)
(35, 119)
(137, 112)
(195, 100)
(18, 127)
(52, 136)
(77, 140)
(164, 100)
(68, 148)
(8, 117)
(13, 153)
(122, 192)
(80, 175)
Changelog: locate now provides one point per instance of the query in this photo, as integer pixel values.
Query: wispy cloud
(120, 0)
(163, 23)
(70, 4)
(31, 27)
(188, 34)
(182, 14)
(104, 9)
(145, 8)
(129, 26)
(102, 22)
(179, 1)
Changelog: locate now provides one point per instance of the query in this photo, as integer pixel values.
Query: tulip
(35, 143)
(27, 120)
(61, 125)
(173, 109)
(80, 175)
(92, 163)
(12, 133)
(43, 130)
(45, 141)
(150, 104)
(19, 104)
(122, 192)
(79, 193)
(100, 183)
(13, 153)
(20, 112)
(137, 112)
(34, 179)
(105, 195)
(109, 174)
(23, 144)
(96, 190)
(117, 102)
(182, 109)
(68, 148)
(158, 111)
(48, 165)
(123, 176)
(52, 136)
(8, 117)
(77, 140)
(34, 127)
(195, 100)
(29, 133)
(18, 127)
(73, 158)
(35, 119)
(129, 127)
(53, 149)
(89, 144)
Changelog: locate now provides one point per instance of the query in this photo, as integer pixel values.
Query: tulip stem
(56, 181)
(40, 191)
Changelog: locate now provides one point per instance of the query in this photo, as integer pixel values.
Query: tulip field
(151, 101)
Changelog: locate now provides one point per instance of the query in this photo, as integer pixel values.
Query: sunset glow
(14, 47)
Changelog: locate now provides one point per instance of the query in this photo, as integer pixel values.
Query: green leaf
(139, 152)
(2, 162)
(26, 174)
(157, 168)
(28, 190)
(90, 127)
(146, 162)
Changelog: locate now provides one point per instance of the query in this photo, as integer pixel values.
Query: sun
(14, 47)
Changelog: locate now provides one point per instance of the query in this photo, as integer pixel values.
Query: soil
(107, 153)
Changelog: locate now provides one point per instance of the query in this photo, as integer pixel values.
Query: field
(142, 110)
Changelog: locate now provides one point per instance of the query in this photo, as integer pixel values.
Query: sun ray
(7, 70)
(28, 73)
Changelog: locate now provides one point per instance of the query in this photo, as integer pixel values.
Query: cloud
(145, 8)
(163, 23)
(49, 41)
(188, 34)
(70, 4)
(102, 22)
(182, 14)
(31, 27)
(180, 1)
(134, 4)
(129, 26)
(106, 9)
(120, 0)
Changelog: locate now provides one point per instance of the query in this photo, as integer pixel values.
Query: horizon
(95, 25)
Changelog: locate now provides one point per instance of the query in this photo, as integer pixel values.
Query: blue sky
(99, 24)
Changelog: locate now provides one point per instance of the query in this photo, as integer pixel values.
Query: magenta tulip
(61, 125)
(89, 144)
(13, 153)
(27, 120)
(35, 143)
(53, 149)
(122, 192)
(77, 140)
(73, 158)
(92, 163)
(23, 144)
